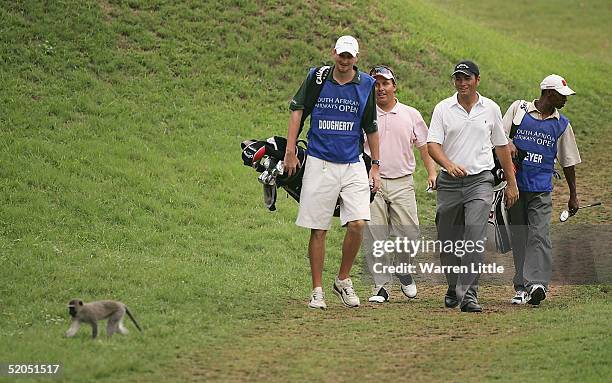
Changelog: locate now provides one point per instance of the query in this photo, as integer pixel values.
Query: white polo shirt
(467, 139)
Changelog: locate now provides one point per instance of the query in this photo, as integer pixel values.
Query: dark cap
(466, 67)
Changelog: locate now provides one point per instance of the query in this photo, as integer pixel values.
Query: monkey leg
(111, 327)
(94, 330)
(122, 330)
(114, 322)
(74, 327)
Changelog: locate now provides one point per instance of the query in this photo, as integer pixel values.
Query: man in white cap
(394, 209)
(542, 134)
(344, 110)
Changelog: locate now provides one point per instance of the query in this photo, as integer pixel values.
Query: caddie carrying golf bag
(267, 156)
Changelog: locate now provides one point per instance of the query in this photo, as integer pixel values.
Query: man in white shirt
(464, 129)
(394, 210)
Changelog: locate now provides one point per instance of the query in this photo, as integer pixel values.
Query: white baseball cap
(347, 44)
(383, 71)
(558, 83)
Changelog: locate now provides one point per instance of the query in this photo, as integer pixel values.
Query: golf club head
(564, 216)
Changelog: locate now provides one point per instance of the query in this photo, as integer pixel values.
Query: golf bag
(498, 226)
(498, 172)
(266, 157)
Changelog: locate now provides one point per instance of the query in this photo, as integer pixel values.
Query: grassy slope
(581, 29)
(120, 131)
(564, 37)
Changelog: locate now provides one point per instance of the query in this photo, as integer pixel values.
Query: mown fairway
(120, 177)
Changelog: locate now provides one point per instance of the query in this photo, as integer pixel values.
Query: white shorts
(322, 183)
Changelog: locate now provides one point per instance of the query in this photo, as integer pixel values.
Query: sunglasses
(382, 70)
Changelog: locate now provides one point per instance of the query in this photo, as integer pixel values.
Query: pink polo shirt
(399, 130)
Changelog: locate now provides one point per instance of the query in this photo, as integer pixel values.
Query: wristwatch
(376, 162)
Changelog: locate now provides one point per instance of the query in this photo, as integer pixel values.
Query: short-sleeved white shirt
(467, 139)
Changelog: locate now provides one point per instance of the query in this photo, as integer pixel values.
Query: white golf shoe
(537, 293)
(520, 298)
(344, 290)
(410, 291)
(380, 295)
(317, 299)
(407, 285)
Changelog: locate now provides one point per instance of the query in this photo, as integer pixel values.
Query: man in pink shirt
(394, 211)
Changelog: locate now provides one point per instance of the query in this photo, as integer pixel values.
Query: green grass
(563, 25)
(120, 178)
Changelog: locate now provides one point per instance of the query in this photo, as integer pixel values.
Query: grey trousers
(531, 247)
(461, 215)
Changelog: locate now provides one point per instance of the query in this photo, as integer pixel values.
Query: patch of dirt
(400, 338)
(109, 11)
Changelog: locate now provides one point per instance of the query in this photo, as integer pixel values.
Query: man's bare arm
(436, 152)
(430, 166)
(570, 177)
(373, 143)
(291, 161)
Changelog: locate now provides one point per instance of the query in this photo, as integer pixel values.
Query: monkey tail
(132, 318)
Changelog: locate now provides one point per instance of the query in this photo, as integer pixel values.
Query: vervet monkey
(92, 312)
